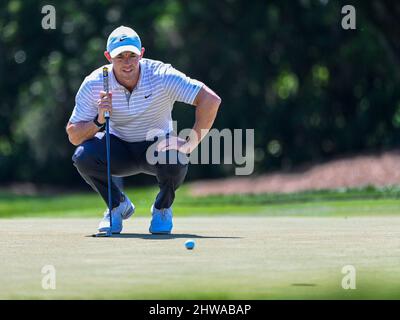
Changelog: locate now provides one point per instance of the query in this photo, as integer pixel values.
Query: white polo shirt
(147, 111)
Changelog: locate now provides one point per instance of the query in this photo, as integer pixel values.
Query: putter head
(104, 234)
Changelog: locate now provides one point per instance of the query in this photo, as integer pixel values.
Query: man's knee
(83, 157)
(175, 171)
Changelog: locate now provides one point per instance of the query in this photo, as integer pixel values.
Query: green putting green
(285, 246)
(234, 258)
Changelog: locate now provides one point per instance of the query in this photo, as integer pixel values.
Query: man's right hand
(104, 104)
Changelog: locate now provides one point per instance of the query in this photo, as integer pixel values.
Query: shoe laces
(164, 213)
(106, 217)
(107, 212)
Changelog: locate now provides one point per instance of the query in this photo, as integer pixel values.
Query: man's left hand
(174, 143)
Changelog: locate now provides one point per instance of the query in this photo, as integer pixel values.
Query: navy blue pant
(126, 158)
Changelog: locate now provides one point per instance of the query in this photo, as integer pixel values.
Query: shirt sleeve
(85, 107)
(180, 87)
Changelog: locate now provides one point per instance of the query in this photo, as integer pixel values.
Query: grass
(267, 246)
(343, 202)
(234, 258)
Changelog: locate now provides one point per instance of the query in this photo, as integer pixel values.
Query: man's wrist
(188, 147)
(98, 124)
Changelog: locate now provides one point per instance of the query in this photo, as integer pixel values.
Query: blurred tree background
(286, 68)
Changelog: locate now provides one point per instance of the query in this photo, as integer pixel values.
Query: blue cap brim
(120, 49)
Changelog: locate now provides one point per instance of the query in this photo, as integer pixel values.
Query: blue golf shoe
(161, 220)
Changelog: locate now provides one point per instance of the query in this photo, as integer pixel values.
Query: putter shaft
(107, 116)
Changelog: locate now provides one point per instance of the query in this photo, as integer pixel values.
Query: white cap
(123, 39)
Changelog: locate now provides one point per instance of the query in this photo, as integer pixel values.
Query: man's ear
(107, 55)
(143, 50)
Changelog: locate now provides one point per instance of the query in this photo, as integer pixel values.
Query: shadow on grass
(147, 236)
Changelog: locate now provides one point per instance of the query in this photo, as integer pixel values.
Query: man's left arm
(207, 103)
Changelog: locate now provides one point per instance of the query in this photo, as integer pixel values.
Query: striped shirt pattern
(146, 112)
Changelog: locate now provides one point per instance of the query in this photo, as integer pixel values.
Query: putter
(107, 116)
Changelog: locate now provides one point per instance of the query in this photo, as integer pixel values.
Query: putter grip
(105, 87)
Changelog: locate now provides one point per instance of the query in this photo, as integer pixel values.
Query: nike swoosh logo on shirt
(147, 96)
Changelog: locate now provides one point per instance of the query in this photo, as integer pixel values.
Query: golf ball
(189, 244)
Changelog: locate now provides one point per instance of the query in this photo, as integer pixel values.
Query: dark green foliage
(310, 89)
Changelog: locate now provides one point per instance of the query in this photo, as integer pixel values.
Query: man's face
(126, 65)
